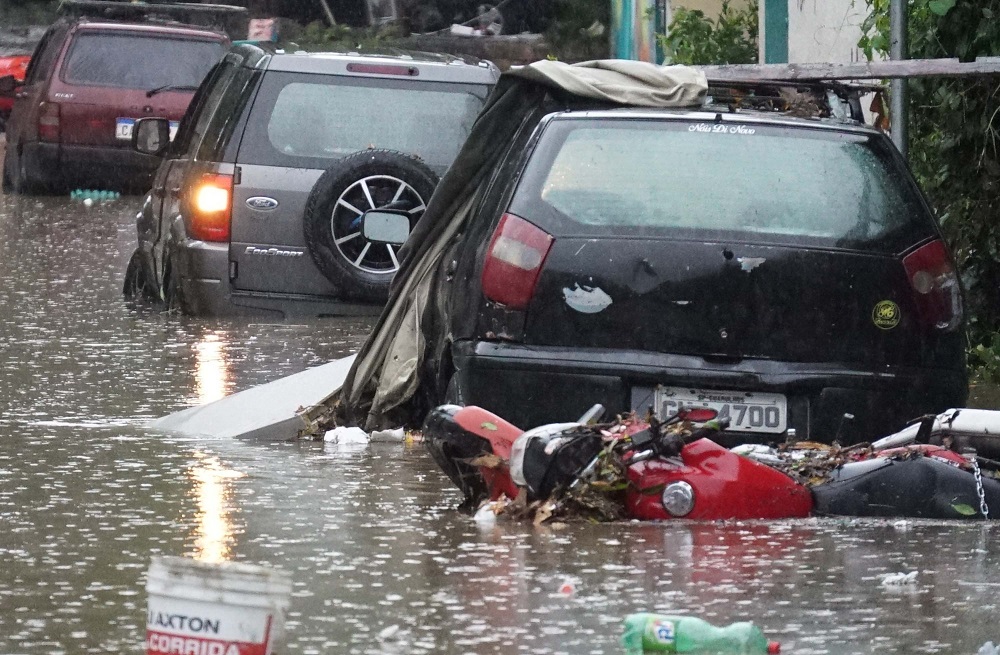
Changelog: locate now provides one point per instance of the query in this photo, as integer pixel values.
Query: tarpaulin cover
(395, 376)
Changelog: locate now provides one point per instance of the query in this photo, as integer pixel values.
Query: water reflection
(211, 367)
(215, 532)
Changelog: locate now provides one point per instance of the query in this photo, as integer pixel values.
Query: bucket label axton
(173, 632)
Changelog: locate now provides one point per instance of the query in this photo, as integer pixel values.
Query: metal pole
(329, 14)
(898, 110)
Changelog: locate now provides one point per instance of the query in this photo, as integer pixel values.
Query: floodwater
(370, 535)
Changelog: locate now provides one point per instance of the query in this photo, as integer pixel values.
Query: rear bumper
(530, 386)
(52, 162)
(203, 270)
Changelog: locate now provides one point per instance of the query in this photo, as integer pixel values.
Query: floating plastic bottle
(659, 633)
(94, 194)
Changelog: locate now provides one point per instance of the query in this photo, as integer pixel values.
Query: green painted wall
(775, 31)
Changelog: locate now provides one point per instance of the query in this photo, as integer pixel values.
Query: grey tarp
(400, 358)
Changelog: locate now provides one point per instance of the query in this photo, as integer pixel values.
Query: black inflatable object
(921, 487)
(451, 447)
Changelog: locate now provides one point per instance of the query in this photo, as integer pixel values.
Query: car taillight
(935, 286)
(513, 261)
(211, 207)
(48, 121)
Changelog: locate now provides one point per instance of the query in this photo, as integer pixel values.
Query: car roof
(709, 113)
(430, 67)
(179, 29)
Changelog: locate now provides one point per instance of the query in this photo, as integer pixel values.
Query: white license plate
(123, 128)
(747, 411)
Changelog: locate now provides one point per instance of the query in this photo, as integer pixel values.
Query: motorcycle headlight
(678, 498)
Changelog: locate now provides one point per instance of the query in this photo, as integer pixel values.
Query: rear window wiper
(170, 87)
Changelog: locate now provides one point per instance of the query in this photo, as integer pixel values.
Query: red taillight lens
(48, 121)
(211, 207)
(514, 260)
(935, 286)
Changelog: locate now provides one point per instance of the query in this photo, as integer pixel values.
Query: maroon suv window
(138, 61)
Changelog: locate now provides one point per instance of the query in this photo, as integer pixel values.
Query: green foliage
(984, 360)
(318, 36)
(692, 38)
(955, 148)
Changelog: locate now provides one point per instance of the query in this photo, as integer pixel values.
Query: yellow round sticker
(886, 315)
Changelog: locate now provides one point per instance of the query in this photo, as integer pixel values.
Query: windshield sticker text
(719, 128)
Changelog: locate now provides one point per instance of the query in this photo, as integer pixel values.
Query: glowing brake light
(935, 286)
(514, 260)
(211, 200)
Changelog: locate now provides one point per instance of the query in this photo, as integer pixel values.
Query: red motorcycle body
(501, 435)
(918, 480)
(726, 486)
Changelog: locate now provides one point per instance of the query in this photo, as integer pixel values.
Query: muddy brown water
(370, 535)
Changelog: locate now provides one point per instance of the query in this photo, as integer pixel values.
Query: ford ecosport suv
(257, 206)
(88, 80)
(783, 270)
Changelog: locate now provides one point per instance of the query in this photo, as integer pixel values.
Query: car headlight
(678, 498)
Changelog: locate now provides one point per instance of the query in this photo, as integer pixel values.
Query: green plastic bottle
(659, 633)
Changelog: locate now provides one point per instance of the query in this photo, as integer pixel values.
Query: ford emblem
(262, 203)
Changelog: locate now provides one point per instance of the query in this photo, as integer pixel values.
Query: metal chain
(979, 487)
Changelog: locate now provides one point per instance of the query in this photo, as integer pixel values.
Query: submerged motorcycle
(673, 469)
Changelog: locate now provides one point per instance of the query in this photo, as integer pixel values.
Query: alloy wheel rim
(371, 192)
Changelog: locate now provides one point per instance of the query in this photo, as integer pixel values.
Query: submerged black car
(784, 271)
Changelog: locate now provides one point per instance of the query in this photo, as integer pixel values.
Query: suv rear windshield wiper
(170, 87)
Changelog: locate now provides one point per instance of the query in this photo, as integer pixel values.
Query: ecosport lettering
(271, 252)
(719, 128)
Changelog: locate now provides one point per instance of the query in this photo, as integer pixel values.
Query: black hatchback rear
(784, 271)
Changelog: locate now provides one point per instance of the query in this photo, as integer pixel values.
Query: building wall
(825, 30)
(710, 7)
(808, 31)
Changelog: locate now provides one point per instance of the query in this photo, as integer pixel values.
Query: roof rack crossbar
(873, 70)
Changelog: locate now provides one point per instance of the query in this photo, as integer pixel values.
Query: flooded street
(369, 534)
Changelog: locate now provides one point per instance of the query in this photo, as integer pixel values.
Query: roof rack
(872, 70)
(810, 99)
(822, 89)
(206, 15)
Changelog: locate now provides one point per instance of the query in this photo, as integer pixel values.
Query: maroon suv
(89, 79)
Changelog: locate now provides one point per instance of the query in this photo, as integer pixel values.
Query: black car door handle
(175, 192)
(158, 191)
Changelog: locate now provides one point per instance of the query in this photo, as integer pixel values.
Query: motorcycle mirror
(697, 414)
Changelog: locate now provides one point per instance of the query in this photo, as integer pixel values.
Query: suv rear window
(139, 61)
(710, 180)
(311, 119)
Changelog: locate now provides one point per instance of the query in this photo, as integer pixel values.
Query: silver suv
(259, 202)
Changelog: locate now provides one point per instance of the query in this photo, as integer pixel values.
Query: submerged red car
(89, 79)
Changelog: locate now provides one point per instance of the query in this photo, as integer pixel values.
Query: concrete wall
(821, 30)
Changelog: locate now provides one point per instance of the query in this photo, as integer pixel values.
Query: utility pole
(898, 110)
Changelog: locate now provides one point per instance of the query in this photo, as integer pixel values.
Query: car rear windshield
(713, 180)
(306, 120)
(139, 61)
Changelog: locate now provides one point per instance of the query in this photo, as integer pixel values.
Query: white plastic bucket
(203, 608)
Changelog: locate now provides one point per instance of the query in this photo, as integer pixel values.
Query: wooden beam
(874, 70)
